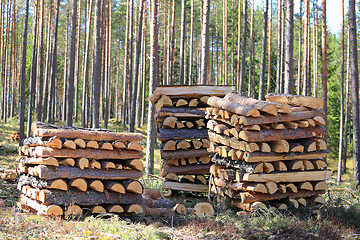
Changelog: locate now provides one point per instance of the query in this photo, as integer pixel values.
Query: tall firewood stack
(268, 153)
(182, 130)
(67, 170)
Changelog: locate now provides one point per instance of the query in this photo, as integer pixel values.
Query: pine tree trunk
(151, 131)
(238, 64)
(268, 90)
(243, 48)
(355, 84)
(39, 85)
(171, 53)
(97, 65)
(289, 54)
(204, 43)
(306, 47)
(232, 69)
(282, 57)
(136, 71)
(66, 57)
(278, 71)
(182, 43)
(126, 71)
(341, 137)
(252, 53)
(300, 46)
(143, 113)
(263, 53)
(77, 63)
(225, 42)
(23, 75)
(14, 57)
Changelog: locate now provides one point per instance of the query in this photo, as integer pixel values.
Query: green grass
(339, 218)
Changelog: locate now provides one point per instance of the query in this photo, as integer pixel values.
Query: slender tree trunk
(243, 48)
(268, 90)
(252, 53)
(355, 83)
(97, 65)
(136, 71)
(126, 68)
(238, 46)
(324, 58)
(182, 43)
(300, 46)
(171, 53)
(66, 57)
(225, 42)
(232, 69)
(263, 53)
(40, 66)
(151, 133)
(143, 113)
(33, 67)
(204, 43)
(23, 75)
(315, 41)
(348, 103)
(282, 57)
(278, 72)
(70, 80)
(77, 62)
(306, 47)
(289, 55)
(191, 43)
(14, 57)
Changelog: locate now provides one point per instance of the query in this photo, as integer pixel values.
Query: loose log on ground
(45, 172)
(190, 169)
(271, 157)
(53, 142)
(49, 161)
(285, 176)
(233, 107)
(190, 187)
(305, 101)
(248, 206)
(204, 209)
(41, 208)
(175, 134)
(184, 153)
(85, 153)
(263, 106)
(294, 116)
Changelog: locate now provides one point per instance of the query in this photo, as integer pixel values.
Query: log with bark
(53, 142)
(38, 183)
(50, 161)
(304, 101)
(164, 101)
(176, 134)
(183, 153)
(241, 186)
(249, 206)
(233, 107)
(40, 129)
(246, 167)
(189, 169)
(47, 210)
(49, 172)
(181, 112)
(271, 157)
(83, 153)
(190, 187)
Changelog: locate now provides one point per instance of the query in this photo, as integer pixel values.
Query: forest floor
(338, 219)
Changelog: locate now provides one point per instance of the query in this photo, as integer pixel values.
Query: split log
(320, 144)
(187, 179)
(82, 163)
(181, 103)
(96, 185)
(180, 125)
(268, 167)
(189, 187)
(248, 206)
(309, 145)
(279, 146)
(279, 205)
(169, 134)
(191, 160)
(295, 165)
(73, 210)
(172, 177)
(78, 183)
(311, 122)
(308, 165)
(98, 210)
(169, 122)
(274, 135)
(204, 209)
(204, 160)
(106, 146)
(233, 107)
(291, 125)
(164, 101)
(41, 208)
(184, 153)
(48, 130)
(280, 166)
(295, 146)
(305, 101)
(85, 153)
(135, 209)
(152, 193)
(67, 162)
(196, 144)
(172, 162)
(114, 186)
(282, 188)
(263, 106)
(193, 102)
(271, 157)
(94, 164)
(291, 187)
(302, 201)
(191, 91)
(80, 143)
(306, 186)
(168, 145)
(45, 172)
(249, 197)
(284, 176)
(271, 187)
(319, 120)
(277, 126)
(107, 165)
(39, 184)
(136, 146)
(320, 185)
(183, 144)
(318, 199)
(200, 123)
(264, 147)
(303, 124)
(70, 144)
(114, 209)
(319, 163)
(119, 145)
(133, 186)
(295, 116)
(53, 142)
(181, 112)
(190, 169)
(134, 163)
(49, 161)
(293, 203)
(201, 179)
(92, 144)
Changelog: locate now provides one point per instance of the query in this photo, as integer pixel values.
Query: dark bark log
(243, 166)
(269, 157)
(190, 169)
(184, 153)
(289, 61)
(168, 134)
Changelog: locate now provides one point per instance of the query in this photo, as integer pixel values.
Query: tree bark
(225, 42)
(204, 43)
(269, 51)
(306, 50)
(182, 43)
(263, 53)
(324, 58)
(151, 129)
(278, 72)
(289, 56)
(298, 83)
(243, 48)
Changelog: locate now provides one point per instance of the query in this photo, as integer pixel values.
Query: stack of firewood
(184, 136)
(268, 153)
(67, 170)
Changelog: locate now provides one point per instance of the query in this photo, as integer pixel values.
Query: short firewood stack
(184, 136)
(67, 170)
(268, 153)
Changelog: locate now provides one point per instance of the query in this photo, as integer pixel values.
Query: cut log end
(204, 210)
